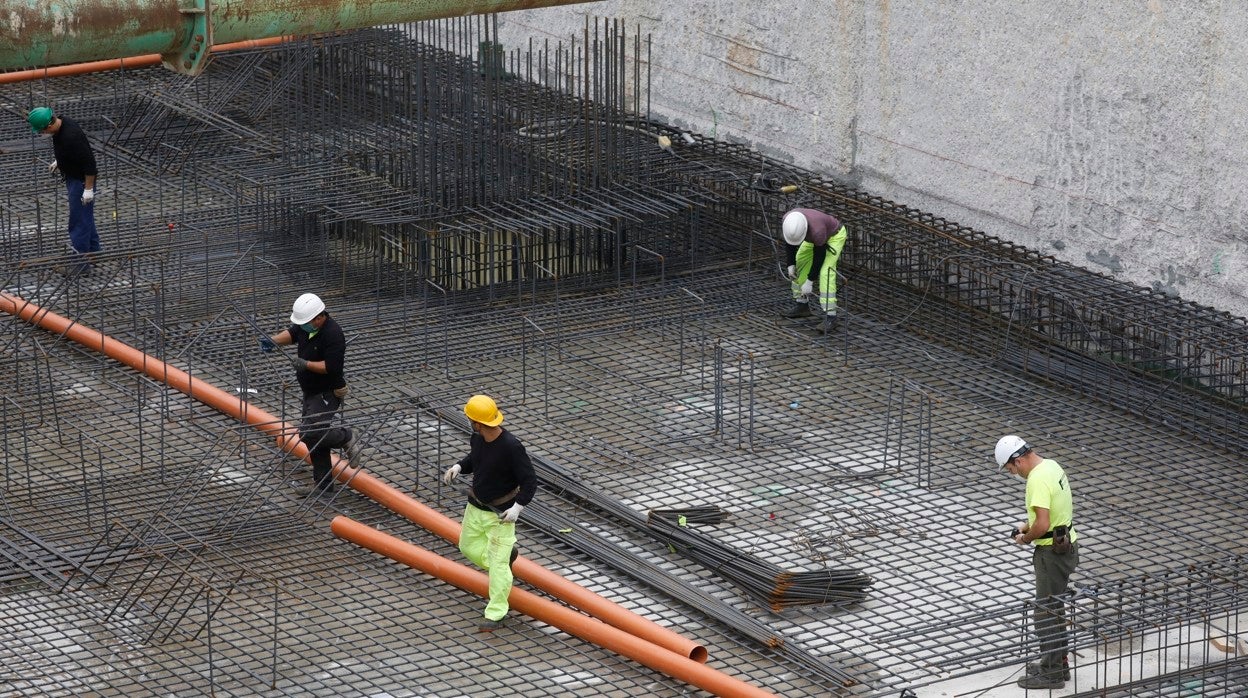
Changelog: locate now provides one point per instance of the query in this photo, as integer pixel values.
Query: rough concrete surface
(1110, 136)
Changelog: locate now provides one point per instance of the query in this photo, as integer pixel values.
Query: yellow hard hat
(481, 408)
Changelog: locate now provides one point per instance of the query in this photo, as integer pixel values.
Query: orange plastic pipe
(288, 440)
(143, 61)
(532, 605)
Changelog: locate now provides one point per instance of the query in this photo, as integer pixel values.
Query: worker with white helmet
(319, 359)
(1050, 530)
(503, 483)
(814, 240)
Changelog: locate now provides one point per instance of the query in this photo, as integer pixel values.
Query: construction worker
(320, 355)
(1050, 530)
(503, 483)
(75, 161)
(814, 240)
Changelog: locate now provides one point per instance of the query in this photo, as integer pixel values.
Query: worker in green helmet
(75, 161)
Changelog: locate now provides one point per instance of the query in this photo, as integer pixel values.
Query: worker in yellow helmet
(503, 483)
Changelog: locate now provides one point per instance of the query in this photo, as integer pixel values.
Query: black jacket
(328, 345)
(73, 152)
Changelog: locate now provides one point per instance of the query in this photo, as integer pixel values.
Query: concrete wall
(1111, 135)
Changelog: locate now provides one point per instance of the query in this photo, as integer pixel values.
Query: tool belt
(1061, 538)
(490, 505)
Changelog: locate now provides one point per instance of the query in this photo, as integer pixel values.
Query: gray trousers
(319, 434)
(1052, 579)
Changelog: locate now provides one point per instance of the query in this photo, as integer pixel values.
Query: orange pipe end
(144, 61)
(589, 629)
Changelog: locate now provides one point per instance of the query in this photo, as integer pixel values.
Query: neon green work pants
(487, 541)
(826, 276)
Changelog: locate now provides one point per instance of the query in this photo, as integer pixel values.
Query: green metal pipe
(39, 33)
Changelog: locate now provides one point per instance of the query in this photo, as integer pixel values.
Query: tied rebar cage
(509, 220)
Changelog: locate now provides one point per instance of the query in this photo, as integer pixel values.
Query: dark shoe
(352, 449)
(312, 491)
(489, 626)
(515, 553)
(1034, 668)
(798, 309)
(829, 324)
(1041, 681)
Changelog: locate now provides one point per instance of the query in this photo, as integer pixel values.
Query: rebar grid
(474, 232)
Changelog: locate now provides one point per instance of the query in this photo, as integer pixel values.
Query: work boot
(352, 448)
(1041, 681)
(798, 309)
(488, 626)
(1034, 668)
(314, 491)
(829, 324)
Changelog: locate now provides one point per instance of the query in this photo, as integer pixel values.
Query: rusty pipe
(364, 483)
(35, 33)
(534, 606)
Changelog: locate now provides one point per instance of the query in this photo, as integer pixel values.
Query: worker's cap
(39, 118)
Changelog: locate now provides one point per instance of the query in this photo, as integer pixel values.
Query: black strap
(1069, 527)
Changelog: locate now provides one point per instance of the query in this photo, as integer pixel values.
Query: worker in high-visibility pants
(503, 483)
(814, 240)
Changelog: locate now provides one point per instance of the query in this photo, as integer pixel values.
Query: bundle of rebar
(772, 586)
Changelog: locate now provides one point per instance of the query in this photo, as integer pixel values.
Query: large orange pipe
(144, 61)
(566, 619)
(364, 483)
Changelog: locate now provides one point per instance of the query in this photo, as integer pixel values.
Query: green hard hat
(39, 118)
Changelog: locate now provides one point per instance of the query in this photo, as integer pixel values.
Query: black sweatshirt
(498, 467)
(73, 153)
(328, 345)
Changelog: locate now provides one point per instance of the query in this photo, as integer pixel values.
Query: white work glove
(88, 195)
(807, 287)
(53, 167)
(451, 473)
(792, 270)
(512, 513)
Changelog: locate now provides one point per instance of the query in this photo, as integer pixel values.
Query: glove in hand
(53, 167)
(451, 474)
(807, 287)
(792, 271)
(88, 195)
(512, 513)
(301, 364)
(267, 345)
(341, 393)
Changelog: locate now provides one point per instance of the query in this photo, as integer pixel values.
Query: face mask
(308, 327)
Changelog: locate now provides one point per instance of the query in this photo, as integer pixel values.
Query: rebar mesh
(518, 229)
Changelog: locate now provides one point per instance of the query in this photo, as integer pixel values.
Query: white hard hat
(306, 307)
(794, 227)
(1008, 448)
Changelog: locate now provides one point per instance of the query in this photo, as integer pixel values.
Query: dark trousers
(320, 436)
(82, 234)
(1052, 579)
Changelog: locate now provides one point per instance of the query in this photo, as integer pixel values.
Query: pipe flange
(192, 57)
